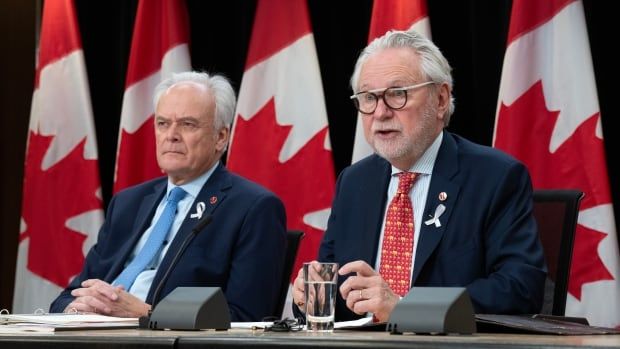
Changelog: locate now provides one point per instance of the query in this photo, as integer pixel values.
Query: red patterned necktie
(397, 246)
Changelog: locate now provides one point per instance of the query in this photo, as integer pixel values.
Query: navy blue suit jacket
(487, 242)
(241, 251)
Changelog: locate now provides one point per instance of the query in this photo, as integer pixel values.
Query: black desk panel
(355, 339)
(95, 339)
(92, 339)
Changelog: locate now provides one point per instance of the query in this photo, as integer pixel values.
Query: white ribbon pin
(200, 208)
(438, 212)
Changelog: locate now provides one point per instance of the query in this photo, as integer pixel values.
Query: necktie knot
(405, 181)
(176, 194)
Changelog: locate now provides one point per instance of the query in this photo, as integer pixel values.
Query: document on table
(353, 323)
(251, 325)
(360, 323)
(54, 322)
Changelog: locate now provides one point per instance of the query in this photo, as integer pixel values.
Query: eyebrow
(183, 118)
(395, 83)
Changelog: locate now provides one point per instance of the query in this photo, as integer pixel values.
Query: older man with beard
(429, 208)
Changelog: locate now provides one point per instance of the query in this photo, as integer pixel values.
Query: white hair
(434, 65)
(221, 88)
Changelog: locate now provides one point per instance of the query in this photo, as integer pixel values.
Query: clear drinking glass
(320, 286)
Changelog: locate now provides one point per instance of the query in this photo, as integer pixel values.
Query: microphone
(144, 320)
(202, 224)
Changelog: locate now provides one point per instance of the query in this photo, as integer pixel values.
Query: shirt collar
(193, 187)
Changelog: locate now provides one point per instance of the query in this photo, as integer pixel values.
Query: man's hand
(367, 291)
(299, 295)
(97, 296)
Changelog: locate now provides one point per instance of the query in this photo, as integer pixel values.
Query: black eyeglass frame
(376, 95)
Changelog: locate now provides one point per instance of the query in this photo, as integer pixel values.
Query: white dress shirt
(141, 286)
(418, 194)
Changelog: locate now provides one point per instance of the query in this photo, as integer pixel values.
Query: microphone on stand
(145, 320)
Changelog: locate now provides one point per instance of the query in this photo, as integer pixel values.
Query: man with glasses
(150, 226)
(429, 208)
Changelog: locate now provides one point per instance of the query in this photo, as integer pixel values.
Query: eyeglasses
(394, 97)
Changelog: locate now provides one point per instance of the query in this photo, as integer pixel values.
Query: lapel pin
(443, 196)
(438, 212)
(213, 200)
(200, 208)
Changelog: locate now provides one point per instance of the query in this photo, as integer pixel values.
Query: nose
(382, 111)
(173, 134)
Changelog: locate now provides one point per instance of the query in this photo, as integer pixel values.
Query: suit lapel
(376, 194)
(446, 166)
(143, 220)
(211, 195)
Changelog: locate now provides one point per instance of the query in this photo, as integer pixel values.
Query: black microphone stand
(144, 321)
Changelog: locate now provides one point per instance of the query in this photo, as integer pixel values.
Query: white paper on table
(340, 324)
(353, 323)
(250, 325)
(64, 319)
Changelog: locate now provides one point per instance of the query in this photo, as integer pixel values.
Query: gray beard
(403, 149)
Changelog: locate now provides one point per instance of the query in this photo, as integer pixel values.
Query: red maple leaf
(51, 197)
(524, 130)
(136, 160)
(304, 183)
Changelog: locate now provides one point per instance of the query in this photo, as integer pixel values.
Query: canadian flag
(159, 48)
(548, 117)
(62, 207)
(388, 15)
(280, 137)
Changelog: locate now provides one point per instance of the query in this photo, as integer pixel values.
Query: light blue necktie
(154, 242)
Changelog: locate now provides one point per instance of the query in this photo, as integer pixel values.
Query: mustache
(386, 127)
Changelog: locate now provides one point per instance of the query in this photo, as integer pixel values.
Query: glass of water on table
(320, 287)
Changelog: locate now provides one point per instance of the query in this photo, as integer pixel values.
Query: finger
(96, 304)
(129, 305)
(300, 273)
(378, 300)
(84, 291)
(314, 271)
(366, 306)
(91, 292)
(353, 283)
(298, 289)
(298, 293)
(365, 300)
(80, 306)
(298, 284)
(79, 292)
(103, 288)
(89, 282)
(357, 302)
(299, 280)
(350, 293)
(361, 268)
(77, 306)
(350, 299)
(110, 292)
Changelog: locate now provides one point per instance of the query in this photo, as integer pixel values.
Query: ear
(443, 99)
(222, 138)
